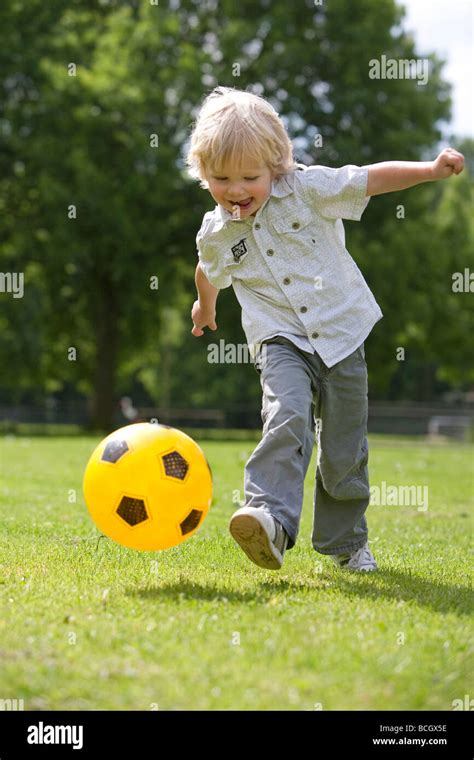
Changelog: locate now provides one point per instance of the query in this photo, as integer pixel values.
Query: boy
(277, 237)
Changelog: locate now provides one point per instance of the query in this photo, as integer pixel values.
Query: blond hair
(234, 126)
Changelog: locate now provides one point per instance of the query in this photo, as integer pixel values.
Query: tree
(98, 102)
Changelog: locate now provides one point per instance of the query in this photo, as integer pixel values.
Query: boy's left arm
(390, 176)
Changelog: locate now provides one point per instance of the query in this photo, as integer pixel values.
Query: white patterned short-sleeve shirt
(288, 264)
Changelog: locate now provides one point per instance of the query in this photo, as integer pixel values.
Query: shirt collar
(280, 189)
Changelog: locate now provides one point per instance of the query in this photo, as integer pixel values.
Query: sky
(446, 28)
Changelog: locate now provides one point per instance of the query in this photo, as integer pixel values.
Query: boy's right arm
(203, 313)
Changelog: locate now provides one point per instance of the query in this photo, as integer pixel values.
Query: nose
(236, 195)
(238, 198)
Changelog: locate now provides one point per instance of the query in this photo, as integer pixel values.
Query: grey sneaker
(361, 559)
(260, 535)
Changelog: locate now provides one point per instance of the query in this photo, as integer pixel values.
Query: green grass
(87, 624)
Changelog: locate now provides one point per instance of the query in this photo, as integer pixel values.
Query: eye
(221, 179)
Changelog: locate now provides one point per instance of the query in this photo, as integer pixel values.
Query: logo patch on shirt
(239, 250)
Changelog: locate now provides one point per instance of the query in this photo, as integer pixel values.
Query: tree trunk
(426, 380)
(103, 399)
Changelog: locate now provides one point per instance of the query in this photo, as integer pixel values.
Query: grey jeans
(303, 397)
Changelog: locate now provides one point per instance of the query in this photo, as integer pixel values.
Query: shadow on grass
(386, 584)
(399, 585)
(184, 590)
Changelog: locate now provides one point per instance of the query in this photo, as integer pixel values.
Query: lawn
(87, 624)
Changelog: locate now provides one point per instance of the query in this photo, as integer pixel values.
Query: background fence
(452, 421)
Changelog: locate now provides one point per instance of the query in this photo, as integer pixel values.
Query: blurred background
(100, 217)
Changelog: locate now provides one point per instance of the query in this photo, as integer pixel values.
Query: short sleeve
(210, 263)
(336, 193)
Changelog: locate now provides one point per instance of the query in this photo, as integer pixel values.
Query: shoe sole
(253, 540)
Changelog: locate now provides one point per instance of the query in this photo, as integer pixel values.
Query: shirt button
(304, 309)
(315, 335)
(295, 225)
(270, 252)
(257, 226)
(286, 281)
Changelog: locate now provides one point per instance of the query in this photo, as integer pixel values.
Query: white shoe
(260, 535)
(361, 559)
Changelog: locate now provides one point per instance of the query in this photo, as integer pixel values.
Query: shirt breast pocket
(298, 230)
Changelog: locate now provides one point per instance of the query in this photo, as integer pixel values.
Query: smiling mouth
(243, 204)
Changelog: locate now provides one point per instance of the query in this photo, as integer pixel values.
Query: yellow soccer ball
(148, 486)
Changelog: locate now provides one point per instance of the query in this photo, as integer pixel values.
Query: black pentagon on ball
(132, 510)
(190, 522)
(175, 465)
(114, 450)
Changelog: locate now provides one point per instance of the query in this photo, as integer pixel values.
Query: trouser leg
(274, 474)
(342, 492)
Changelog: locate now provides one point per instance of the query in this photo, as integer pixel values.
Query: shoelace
(280, 540)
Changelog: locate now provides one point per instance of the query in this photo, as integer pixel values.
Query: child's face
(250, 182)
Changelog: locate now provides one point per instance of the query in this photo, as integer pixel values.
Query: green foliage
(86, 141)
